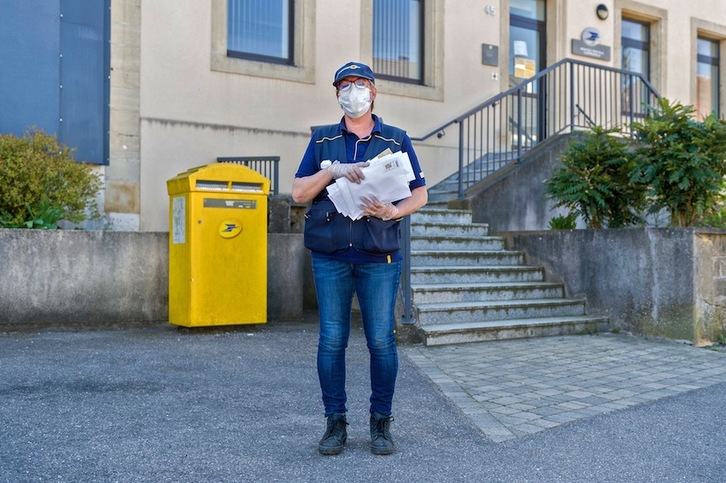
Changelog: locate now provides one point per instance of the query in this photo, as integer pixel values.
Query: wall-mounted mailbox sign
(490, 54)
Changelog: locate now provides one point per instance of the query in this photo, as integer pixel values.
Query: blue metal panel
(84, 12)
(84, 79)
(29, 77)
(54, 71)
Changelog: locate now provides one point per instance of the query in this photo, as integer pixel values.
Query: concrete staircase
(467, 287)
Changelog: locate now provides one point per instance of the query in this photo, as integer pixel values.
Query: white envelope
(386, 178)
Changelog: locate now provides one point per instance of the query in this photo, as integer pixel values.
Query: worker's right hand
(351, 171)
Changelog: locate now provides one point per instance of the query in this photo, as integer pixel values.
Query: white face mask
(355, 100)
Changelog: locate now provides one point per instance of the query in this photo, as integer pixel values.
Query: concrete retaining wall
(663, 282)
(101, 278)
(516, 198)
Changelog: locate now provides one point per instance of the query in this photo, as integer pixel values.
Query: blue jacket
(327, 231)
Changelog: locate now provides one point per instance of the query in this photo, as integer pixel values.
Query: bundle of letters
(386, 177)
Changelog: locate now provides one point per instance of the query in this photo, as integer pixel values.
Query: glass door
(527, 46)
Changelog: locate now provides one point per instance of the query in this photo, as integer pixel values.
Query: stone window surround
(303, 55)
(303, 69)
(708, 30)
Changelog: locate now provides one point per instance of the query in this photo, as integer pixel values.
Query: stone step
(449, 229)
(442, 197)
(451, 242)
(464, 292)
(471, 274)
(453, 258)
(448, 190)
(431, 215)
(441, 334)
(467, 288)
(490, 310)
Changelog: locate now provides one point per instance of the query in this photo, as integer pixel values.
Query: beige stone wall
(194, 109)
(122, 201)
(178, 102)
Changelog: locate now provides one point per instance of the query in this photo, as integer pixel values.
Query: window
(707, 78)
(264, 38)
(261, 30)
(636, 47)
(527, 31)
(398, 40)
(636, 58)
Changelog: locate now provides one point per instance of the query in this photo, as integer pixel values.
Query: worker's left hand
(372, 206)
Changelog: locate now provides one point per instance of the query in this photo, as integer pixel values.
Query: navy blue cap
(355, 69)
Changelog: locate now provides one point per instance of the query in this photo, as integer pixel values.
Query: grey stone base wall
(662, 282)
(70, 279)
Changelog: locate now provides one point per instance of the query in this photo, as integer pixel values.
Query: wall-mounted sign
(490, 54)
(589, 45)
(601, 52)
(590, 36)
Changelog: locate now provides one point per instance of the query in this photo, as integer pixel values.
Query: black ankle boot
(335, 435)
(381, 441)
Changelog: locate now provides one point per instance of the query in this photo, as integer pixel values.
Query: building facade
(189, 81)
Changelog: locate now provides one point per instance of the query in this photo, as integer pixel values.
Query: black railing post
(632, 102)
(276, 175)
(519, 125)
(572, 97)
(461, 160)
(406, 294)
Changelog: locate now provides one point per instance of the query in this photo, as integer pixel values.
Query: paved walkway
(228, 405)
(516, 388)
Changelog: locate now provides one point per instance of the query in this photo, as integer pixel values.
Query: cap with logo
(354, 69)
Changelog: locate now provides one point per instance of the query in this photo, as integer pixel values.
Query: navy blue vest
(330, 144)
(326, 230)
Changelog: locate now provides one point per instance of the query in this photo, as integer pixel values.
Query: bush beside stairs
(468, 288)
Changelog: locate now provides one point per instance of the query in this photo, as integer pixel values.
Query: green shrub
(44, 216)
(41, 183)
(715, 219)
(675, 165)
(562, 222)
(594, 181)
(682, 162)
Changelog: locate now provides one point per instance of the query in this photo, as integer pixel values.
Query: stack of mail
(386, 178)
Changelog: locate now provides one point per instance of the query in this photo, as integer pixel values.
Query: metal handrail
(500, 130)
(565, 96)
(407, 298)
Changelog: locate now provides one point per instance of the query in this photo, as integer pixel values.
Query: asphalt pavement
(166, 404)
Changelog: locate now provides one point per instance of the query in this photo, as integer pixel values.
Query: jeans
(376, 285)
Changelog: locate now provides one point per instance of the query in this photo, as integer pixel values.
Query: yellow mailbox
(218, 246)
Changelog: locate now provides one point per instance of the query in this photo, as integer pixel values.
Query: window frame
(657, 18)
(713, 62)
(641, 45)
(432, 87)
(539, 27)
(708, 30)
(421, 25)
(302, 67)
(653, 27)
(289, 60)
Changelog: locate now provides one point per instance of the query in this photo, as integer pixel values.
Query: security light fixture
(602, 11)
